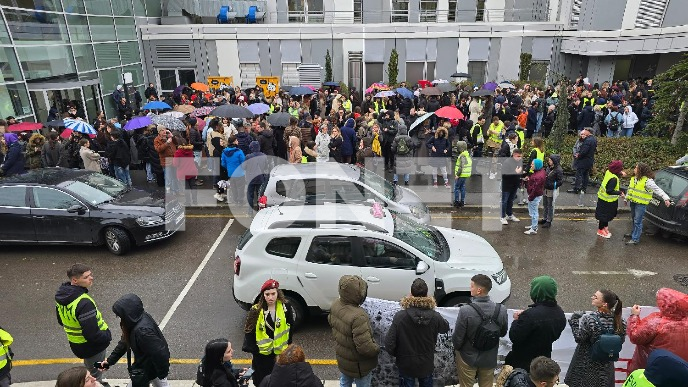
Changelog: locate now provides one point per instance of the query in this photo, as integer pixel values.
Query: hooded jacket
(90, 158)
(292, 375)
(33, 151)
(231, 160)
(355, 348)
(256, 167)
(413, 335)
(666, 369)
(555, 174)
(348, 137)
(666, 329)
(267, 141)
(536, 184)
(51, 154)
(118, 153)
(537, 327)
(96, 340)
(184, 163)
(14, 159)
(145, 340)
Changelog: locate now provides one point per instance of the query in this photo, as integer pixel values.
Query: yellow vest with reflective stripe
(276, 345)
(70, 322)
(467, 166)
(538, 155)
(480, 130)
(347, 105)
(496, 128)
(637, 379)
(521, 136)
(638, 192)
(5, 341)
(602, 192)
(304, 160)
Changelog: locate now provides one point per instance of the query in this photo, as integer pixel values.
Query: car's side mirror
(422, 267)
(77, 209)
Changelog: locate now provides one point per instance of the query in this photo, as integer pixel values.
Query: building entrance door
(52, 101)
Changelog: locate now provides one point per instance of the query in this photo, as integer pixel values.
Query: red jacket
(184, 163)
(666, 329)
(536, 184)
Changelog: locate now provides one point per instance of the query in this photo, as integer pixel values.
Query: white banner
(382, 312)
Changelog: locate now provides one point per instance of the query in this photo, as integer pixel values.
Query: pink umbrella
(312, 87)
(369, 90)
(68, 132)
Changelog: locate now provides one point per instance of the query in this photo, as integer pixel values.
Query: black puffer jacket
(519, 378)
(534, 332)
(555, 174)
(146, 341)
(292, 375)
(267, 141)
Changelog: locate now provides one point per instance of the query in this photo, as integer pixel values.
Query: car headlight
(500, 276)
(415, 211)
(148, 221)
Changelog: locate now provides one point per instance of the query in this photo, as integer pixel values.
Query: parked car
(69, 206)
(308, 248)
(674, 219)
(315, 183)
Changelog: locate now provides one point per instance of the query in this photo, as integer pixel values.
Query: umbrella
(386, 93)
(380, 86)
(200, 86)
(286, 88)
(301, 90)
(507, 85)
(490, 86)
(461, 75)
(369, 90)
(24, 127)
(279, 119)
(232, 111)
(258, 108)
(156, 105)
(449, 112)
(169, 122)
(138, 123)
(173, 114)
(333, 84)
(446, 87)
(482, 93)
(179, 89)
(186, 109)
(424, 83)
(201, 111)
(200, 123)
(79, 126)
(419, 121)
(431, 91)
(54, 123)
(404, 92)
(436, 81)
(68, 132)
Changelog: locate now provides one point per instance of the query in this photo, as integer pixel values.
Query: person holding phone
(217, 365)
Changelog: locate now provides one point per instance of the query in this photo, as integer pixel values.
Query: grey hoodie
(555, 174)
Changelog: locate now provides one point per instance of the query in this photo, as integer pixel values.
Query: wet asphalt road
(29, 276)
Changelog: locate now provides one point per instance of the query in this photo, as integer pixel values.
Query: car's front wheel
(456, 301)
(298, 310)
(117, 240)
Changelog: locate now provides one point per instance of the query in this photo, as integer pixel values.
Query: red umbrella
(450, 112)
(424, 83)
(24, 127)
(68, 132)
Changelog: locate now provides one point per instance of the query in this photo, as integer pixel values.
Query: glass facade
(47, 47)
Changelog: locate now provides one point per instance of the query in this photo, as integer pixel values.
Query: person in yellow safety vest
(639, 193)
(379, 104)
(538, 150)
(5, 358)
(608, 197)
(588, 100)
(347, 104)
(495, 135)
(462, 171)
(294, 109)
(267, 329)
(478, 137)
(664, 369)
(88, 334)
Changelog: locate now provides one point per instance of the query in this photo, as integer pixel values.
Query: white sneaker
(218, 197)
(492, 175)
(513, 218)
(503, 220)
(527, 227)
(530, 231)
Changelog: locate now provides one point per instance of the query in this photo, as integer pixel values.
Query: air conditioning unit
(310, 75)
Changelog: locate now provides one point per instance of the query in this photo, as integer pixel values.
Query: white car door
(328, 259)
(390, 269)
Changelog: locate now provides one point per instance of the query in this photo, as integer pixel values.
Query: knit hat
(537, 164)
(615, 167)
(543, 288)
(269, 284)
(254, 146)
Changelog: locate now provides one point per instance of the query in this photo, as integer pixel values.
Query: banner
(382, 312)
(218, 82)
(270, 85)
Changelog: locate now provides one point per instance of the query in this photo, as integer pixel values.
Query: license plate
(179, 219)
(654, 202)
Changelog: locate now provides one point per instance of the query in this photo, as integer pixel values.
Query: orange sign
(270, 85)
(217, 82)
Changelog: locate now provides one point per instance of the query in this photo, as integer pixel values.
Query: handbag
(137, 375)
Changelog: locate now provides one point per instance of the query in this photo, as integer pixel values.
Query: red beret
(269, 284)
(615, 167)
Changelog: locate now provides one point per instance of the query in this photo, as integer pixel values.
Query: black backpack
(614, 122)
(488, 333)
(200, 373)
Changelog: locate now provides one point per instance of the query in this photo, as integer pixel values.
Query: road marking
(195, 275)
(34, 362)
(633, 272)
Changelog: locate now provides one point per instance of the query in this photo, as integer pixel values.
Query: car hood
(470, 251)
(136, 201)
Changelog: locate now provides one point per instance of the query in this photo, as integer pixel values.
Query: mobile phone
(100, 365)
(247, 375)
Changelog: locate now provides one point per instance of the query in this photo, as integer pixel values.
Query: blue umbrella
(156, 105)
(79, 126)
(335, 84)
(404, 92)
(258, 108)
(138, 122)
(386, 93)
(301, 90)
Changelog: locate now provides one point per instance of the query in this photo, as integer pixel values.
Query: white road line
(195, 275)
(633, 272)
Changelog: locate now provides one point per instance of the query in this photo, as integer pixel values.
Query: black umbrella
(231, 111)
(55, 123)
(279, 119)
(461, 75)
(482, 93)
(333, 84)
(301, 90)
(446, 87)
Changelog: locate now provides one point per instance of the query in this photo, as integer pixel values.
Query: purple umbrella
(178, 90)
(258, 108)
(138, 122)
(490, 86)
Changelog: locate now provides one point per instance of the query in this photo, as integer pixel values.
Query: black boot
(547, 225)
(461, 203)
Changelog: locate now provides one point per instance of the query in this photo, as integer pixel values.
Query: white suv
(308, 248)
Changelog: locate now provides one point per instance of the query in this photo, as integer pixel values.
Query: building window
(358, 11)
(169, 79)
(249, 72)
(400, 11)
(45, 5)
(290, 74)
(428, 10)
(374, 72)
(296, 11)
(480, 12)
(451, 16)
(575, 13)
(9, 67)
(651, 13)
(315, 12)
(14, 101)
(477, 71)
(36, 27)
(46, 61)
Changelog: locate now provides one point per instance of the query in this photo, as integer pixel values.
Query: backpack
(614, 122)
(200, 372)
(488, 332)
(402, 146)
(607, 346)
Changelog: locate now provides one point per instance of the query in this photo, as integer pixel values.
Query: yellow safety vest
(591, 100)
(496, 137)
(347, 105)
(602, 192)
(638, 192)
(5, 359)
(294, 112)
(538, 155)
(276, 345)
(637, 379)
(467, 166)
(70, 322)
(304, 160)
(480, 132)
(521, 136)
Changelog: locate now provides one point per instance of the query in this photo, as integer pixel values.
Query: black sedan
(673, 219)
(68, 206)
